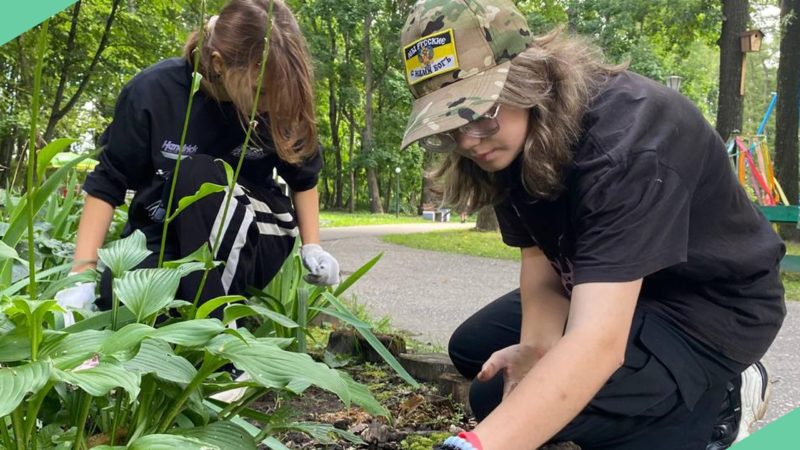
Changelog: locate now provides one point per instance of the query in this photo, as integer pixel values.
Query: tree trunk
(334, 118)
(735, 15)
(6, 153)
(351, 203)
(572, 17)
(57, 112)
(367, 134)
(429, 195)
(487, 220)
(388, 203)
(786, 110)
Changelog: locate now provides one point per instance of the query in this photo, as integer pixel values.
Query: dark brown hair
(238, 35)
(555, 79)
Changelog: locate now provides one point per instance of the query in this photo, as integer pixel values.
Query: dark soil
(420, 416)
(419, 411)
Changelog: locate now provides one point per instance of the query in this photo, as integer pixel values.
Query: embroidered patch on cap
(430, 55)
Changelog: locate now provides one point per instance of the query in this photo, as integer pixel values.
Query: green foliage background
(656, 37)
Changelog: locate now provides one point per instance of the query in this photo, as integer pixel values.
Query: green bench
(784, 214)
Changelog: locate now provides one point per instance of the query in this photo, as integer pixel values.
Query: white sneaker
(755, 393)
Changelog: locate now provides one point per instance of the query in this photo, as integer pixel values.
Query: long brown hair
(238, 36)
(555, 79)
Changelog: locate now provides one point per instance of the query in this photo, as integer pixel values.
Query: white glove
(80, 296)
(233, 395)
(323, 268)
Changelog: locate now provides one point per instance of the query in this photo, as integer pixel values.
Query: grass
(467, 242)
(791, 281)
(329, 219)
(489, 245)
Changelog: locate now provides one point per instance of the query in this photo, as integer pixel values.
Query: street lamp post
(674, 82)
(397, 201)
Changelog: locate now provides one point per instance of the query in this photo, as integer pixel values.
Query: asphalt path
(429, 293)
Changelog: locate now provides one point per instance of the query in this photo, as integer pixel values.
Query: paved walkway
(430, 293)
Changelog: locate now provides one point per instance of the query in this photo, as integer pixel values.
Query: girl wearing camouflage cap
(649, 284)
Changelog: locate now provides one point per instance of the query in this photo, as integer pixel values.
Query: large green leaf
(62, 283)
(363, 397)
(225, 435)
(61, 229)
(126, 338)
(373, 341)
(190, 333)
(40, 276)
(158, 358)
(321, 432)
(273, 367)
(7, 252)
(170, 442)
(147, 291)
(15, 346)
(17, 382)
(228, 171)
(274, 444)
(125, 254)
(205, 190)
(18, 222)
(85, 165)
(270, 442)
(187, 268)
(69, 349)
(33, 310)
(102, 320)
(99, 380)
(201, 255)
(210, 306)
(347, 318)
(355, 276)
(234, 312)
(47, 153)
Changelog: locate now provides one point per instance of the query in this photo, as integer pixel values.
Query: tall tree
(487, 219)
(94, 48)
(59, 109)
(787, 109)
(367, 135)
(735, 16)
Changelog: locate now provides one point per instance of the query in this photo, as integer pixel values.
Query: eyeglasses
(482, 127)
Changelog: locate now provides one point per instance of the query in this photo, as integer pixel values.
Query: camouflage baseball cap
(456, 55)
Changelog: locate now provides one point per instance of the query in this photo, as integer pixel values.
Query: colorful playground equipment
(750, 159)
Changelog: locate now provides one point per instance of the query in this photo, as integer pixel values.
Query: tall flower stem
(83, 414)
(251, 124)
(41, 45)
(209, 366)
(195, 82)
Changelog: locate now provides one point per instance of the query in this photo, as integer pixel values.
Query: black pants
(667, 394)
(258, 234)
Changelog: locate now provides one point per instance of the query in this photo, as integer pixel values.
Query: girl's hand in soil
(514, 361)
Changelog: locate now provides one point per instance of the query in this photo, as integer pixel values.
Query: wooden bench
(784, 214)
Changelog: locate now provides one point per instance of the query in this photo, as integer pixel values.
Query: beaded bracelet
(464, 441)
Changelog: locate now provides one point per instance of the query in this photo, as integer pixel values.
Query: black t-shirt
(651, 194)
(142, 143)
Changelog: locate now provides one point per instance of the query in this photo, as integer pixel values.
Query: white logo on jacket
(170, 150)
(252, 152)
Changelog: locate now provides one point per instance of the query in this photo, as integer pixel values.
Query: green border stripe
(783, 433)
(19, 16)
